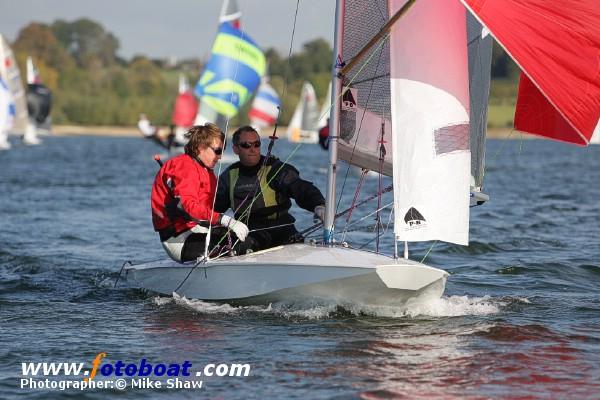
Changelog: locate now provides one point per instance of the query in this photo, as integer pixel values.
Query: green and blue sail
(233, 72)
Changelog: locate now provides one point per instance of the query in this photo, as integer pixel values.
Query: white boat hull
(298, 272)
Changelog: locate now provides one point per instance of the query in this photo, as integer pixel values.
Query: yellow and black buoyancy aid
(254, 190)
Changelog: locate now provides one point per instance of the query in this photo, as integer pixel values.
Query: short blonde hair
(202, 135)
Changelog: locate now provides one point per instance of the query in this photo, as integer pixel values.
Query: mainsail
(233, 72)
(550, 41)
(409, 96)
(9, 71)
(265, 107)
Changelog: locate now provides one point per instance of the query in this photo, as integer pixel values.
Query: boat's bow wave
(418, 308)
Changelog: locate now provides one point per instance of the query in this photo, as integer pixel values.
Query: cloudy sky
(179, 28)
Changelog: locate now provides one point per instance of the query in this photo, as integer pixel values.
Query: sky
(178, 28)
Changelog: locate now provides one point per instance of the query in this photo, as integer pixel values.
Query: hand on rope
(239, 228)
(319, 214)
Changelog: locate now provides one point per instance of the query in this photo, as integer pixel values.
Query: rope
(121, 271)
(356, 193)
(428, 251)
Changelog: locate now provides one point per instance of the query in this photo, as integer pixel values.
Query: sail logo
(339, 63)
(348, 114)
(414, 219)
(349, 100)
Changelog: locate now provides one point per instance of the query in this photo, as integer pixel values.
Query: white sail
(303, 125)
(325, 108)
(184, 85)
(12, 77)
(6, 115)
(33, 76)
(425, 105)
(430, 122)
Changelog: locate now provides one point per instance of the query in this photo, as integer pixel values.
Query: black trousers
(266, 238)
(220, 240)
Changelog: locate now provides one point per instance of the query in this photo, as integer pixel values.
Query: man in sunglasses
(259, 191)
(182, 199)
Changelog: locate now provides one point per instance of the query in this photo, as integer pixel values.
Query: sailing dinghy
(303, 125)
(412, 102)
(184, 114)
(39, 105)
(265, 106)
(9, 71)
(7, 109)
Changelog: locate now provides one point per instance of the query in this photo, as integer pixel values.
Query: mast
(334, 117)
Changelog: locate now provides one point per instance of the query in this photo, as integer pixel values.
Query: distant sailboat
(265, 107)
(323, 125)
(184, 112)
(39, 103)
(233, 72)
(7, 111)
(9, 71)
(303, 125)
(325, 108)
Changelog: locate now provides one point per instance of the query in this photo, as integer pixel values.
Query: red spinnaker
(557, 46)
(184, 112)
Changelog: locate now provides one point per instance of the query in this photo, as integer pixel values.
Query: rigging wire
(356, 193)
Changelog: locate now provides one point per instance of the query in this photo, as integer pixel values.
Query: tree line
(92, 85)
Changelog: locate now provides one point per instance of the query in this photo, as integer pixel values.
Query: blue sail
(233, 72)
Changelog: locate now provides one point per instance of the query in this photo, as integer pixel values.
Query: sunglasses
(248, 145)
(218, 150)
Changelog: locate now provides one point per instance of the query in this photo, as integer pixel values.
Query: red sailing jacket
(183, 191)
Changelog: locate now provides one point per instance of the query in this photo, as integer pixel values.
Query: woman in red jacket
(183, 195)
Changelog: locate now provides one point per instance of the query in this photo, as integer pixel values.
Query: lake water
(520, 317)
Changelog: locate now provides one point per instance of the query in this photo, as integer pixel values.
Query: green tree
(38, 41)
(87, 42)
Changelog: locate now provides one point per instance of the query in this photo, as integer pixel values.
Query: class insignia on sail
(413, 217)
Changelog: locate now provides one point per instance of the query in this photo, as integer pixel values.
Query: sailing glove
(239, 228)
(319, 214)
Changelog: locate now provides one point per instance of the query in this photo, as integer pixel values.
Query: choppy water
(520, 317)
